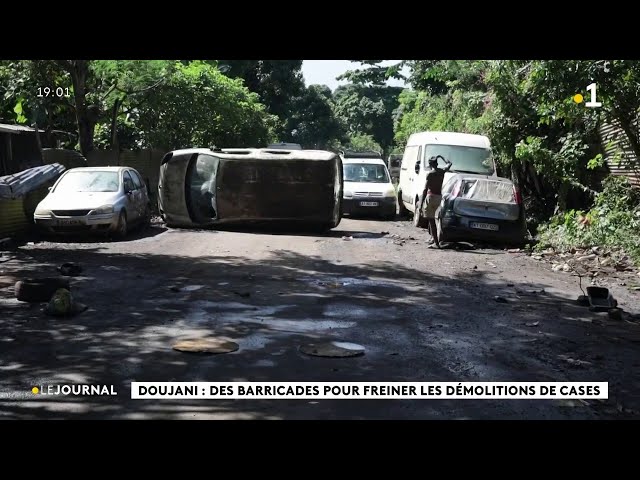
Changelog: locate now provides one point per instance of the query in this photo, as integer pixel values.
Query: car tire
(443, 236)
(402, 210)
(40, 289)
(123, 228)
(418, 220)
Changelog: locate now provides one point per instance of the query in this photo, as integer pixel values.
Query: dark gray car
(480, 207)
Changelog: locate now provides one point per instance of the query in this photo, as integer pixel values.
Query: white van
(367, 186)
(468, 153)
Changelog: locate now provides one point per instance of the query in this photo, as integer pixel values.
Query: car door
(142, 196)
(407, 173)
(132, 198)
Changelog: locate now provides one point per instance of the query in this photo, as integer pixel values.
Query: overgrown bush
(613, 221)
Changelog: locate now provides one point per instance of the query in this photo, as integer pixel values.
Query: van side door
(407, 172)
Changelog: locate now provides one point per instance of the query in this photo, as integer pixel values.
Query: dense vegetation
(542, 138)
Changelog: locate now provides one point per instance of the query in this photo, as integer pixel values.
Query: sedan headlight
(102, 210)
(41, 212)
(347, 194)
(390, 192)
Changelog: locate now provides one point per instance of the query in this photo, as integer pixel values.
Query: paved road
(422, 315)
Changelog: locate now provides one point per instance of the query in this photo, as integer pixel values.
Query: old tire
(39, 289)
(418, 220)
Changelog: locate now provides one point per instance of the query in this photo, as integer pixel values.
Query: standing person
(432, 194)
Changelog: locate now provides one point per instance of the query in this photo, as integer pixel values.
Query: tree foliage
(372, 73)
(278, 83)
(133, 104)
(363, 143)
(541, 137)
(312, 122)
(199, 106)
(368, 110)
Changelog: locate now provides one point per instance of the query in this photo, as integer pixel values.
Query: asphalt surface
(421, 314)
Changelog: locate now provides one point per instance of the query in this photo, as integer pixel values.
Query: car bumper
(353, 206)
(458, 227)
(107, 221)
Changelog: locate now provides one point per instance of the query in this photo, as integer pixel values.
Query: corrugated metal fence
(618, 153)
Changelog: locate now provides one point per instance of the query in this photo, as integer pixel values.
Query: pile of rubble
(597, 263)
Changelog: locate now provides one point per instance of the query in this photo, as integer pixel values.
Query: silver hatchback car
(109, 199)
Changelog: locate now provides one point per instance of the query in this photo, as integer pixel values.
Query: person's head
(433, 162)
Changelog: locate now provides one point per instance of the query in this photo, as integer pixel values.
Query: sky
(324, 72)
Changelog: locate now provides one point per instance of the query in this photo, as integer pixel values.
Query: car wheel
(442, 233)
(418, 220)
(122, 228)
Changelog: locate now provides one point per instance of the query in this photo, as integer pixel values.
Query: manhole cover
(333, 349)
(206, 345)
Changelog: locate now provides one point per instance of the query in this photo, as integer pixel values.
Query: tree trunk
(79, 71)
(114, 126)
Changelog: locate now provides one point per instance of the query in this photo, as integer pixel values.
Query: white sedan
(109, 199)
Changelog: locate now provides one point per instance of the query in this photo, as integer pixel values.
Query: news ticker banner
(369, 390)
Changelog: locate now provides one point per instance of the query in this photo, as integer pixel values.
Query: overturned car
(201, 187)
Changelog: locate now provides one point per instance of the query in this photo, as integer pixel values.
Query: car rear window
(487, 190)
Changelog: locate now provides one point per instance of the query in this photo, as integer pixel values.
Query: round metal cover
(206, 345)
(333, 349)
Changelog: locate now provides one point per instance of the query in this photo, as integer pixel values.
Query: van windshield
(365, 172)
(464, 159)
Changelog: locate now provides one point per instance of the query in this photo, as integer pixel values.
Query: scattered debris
(514, 250)
(536, 257)
(577, 363)
(500, 299)
(333, 349)
(615, 314)
(586, 257)
(583, 300)
(206, 345)
(534, 324)
(63, 305)
(600, 299)
(475, 267)
(70, 269)
(566, 267)
(492, 265)
(347, 238)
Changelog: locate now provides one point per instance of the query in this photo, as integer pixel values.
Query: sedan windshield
(464, 159)
(365, 172)
(89, 181)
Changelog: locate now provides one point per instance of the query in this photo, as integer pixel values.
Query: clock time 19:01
(53, 92)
